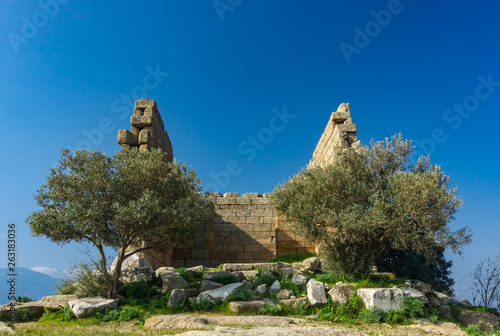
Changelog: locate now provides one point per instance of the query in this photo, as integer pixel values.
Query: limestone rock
(297, 301)
(5, 330)
(209, 285)
(199, 268)
(169, 322)
(484, 320)
(465, 302)
(134, 268)
(416, 294)
(285, 294)
(250, 275)
(245, 306)
(126, 137)
(170, 278)
(239, 275)
(237, 267)
(316, 293)
(312, 265)
(274, 331)
(35, 308)
(299, 279)
(88, 306)
(222, 293)
(275, 287)
(179, 296)
(340, 292)
(214, 275)
(445, 311)
(423, 287)
(54, 302)
(383, 298)
(344, 107)
(261, 289)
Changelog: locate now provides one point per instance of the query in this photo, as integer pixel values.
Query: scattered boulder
(383, 298)
(275, 287)
(316, 293)
(54, 302)
(261, 289)
(340, 293)
(134, 268)
(250, 275)
(465, 302)
(170, 278)
(199, 268)
(35, 309)
(88, 306)
(312, 265)
(237, 267)
(295, 301)
(181, 296)
(285, 294)
(246, 306)
(221, 293)
(4, 329)
(209, 285)
(424, 287)
(239, 276)
(214, 275)
(416, 294)
(484, 320)
(299, 279)
(169, 322)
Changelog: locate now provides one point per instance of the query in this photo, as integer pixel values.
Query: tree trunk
(117, 273)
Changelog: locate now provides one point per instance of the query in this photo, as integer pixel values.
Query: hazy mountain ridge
(33, 284)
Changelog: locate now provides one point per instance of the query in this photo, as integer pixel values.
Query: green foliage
(67, 314)
(473, 330)
(396, 316)
(226, 279)
(329, 278)
(269, 309)
(204, 305)
(84, 278)
(298, 289)
(125, 313)
(409, 264)
(24, 299)
(375, 315)
(491, 310)
(132, 199)
(240, 294)
(434, 318)
(412, 306)
(353, 308)
(291, 258)
(23, 314)
(190, 276)
(267, 279)
(493, 332)
(371, 200)
(138, 291)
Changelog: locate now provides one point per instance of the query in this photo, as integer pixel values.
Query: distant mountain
(33, 284)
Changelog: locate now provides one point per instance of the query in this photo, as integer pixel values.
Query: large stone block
(340, 117)
(89, 306)
(144, 137)
(383, 298)
(126, 137)
(316, 293)
(142, 121)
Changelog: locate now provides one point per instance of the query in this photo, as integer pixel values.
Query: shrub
(473, 330)
(353, 308)
(203, 305)
(434, 318)
(24, 299)
(396, 316)
(412, 307)
(226, 279)
(191, 276)
(329, 278)
(269, 309)
(138, 291)
(267, 279)
(240, 294)
(375, 315)
(23, 314)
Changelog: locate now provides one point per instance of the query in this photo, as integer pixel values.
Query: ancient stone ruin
(242, 229)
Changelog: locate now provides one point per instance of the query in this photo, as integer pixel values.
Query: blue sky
(221, 70)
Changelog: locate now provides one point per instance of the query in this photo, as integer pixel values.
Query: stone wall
(340, 134)
(241, 229)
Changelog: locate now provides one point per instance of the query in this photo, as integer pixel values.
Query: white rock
(261, 289)
(88, 306)
(275, 287)
(316, 293)
(383, 298)
(299, 279)
(222, 293)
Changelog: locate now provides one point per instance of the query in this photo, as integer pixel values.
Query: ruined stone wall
(241, 229)
(340, 134)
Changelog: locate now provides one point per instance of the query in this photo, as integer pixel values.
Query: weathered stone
(170, 278)
(445, 311)
(416, 294)
(250, 275)
(484, 320)
(316, 293)
(199, 268)
(179, 296)
(261, 289)
(383, 298)
(126, 137)
(312, 265)
(423, 287)
(55, 302)
(4, 329)
(340, 293)
(285, 294)
(134, 268)
(340, 117)
(295, 301)
(169, 322)
(299, 279)
(141, 121)
(88, 306)
(35, 309)
(214, 275)
(245, 306)
(275, 287)
(209, 285)
(465, 302)
(239, 275)
(144, 137)
(221, 293)
(274, 331)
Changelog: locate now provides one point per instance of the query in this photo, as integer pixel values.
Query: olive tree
(370, 200)
(132, 202)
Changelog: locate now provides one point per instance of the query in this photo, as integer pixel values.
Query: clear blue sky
(68, 70)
